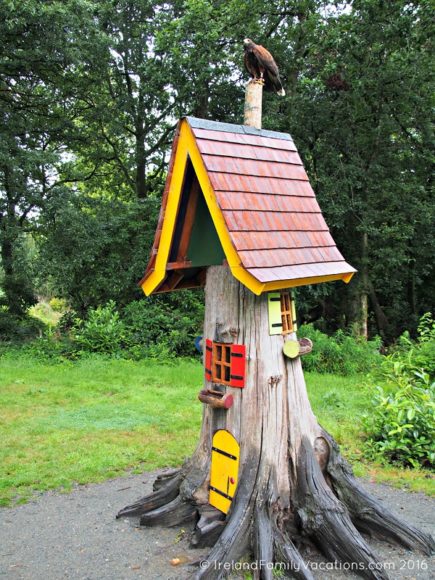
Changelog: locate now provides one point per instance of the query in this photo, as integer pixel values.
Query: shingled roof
(267, 221)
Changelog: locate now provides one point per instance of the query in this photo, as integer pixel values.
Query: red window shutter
(208, 356)
(238, 365)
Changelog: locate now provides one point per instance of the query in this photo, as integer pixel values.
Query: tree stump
(293, 484)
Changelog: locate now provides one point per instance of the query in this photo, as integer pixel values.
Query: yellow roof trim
(186, 148)
(282, 284)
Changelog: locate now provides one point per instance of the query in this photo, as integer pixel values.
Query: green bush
(401, 425)
(52, 347)
(58, 304)
(161, 327)
(102, 332)
(164, 326)
(341, 353)
(421, 352)
(17, 329)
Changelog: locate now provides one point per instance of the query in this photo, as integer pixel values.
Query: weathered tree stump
(293, 483)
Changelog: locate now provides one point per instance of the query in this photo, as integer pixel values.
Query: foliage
(95, 250)
(44, 312)
(341, 353)
(90, 93)
(421, 352)
(58, 304)
(401, 425)
(160, 327)
(165, 325)
(47, 47)
(102, 331)
(16, 329)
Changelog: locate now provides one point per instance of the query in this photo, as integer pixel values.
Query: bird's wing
(248, 64)
(266, 59)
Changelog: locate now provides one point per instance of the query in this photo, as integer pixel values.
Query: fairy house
(239, 217)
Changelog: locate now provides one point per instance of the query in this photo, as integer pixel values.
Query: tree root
(367, 513)
(235, 541)
(327, 506)
(208, 528)
(171, 514)
(166, 491)
(285, 553)
(325, 519)
(263, 542)
(164, 478)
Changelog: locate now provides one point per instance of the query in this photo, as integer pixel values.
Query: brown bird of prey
(261, 65)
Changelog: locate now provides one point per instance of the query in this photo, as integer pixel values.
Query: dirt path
(75, 536)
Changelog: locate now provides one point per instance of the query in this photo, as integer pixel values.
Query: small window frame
(286, 313)
(221, 363)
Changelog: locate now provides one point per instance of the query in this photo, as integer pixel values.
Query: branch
(160, 141)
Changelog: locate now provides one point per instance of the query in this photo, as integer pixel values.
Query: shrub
(401, 424)
(164, 326)
(58, 304)
(341, 353)
(102, 332)
(419, 353)
(16, 329)
(53, 348)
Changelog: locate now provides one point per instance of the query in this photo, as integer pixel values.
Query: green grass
(74, 423)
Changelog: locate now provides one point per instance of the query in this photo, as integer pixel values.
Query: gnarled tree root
(325, 519)
(327, 507)
(368, 515)
(166, 490)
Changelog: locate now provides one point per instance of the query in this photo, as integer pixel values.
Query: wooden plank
(266, 185)
(179, 265)
(267, 221)
(244, 139)
(192, 203)
(288, 257)
(281, 240)
(241, 151)
(306, 271)
(241, 200)
(251, 168)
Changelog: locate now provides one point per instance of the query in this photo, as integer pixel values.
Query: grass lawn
(68, 423)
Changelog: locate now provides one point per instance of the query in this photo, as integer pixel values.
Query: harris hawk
(261, 65)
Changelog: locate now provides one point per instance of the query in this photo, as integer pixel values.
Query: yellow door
(224, 473)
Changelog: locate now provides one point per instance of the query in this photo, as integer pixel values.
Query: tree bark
(293, 485)
(364, 307)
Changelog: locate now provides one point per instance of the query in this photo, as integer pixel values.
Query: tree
(360, 111)
(43, 51)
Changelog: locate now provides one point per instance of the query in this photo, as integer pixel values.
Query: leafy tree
(95, 249)
(360, 110)
(45, 48)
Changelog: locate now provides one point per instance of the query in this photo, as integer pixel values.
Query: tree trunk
(381, 320)
(364, 308)
(293, 484)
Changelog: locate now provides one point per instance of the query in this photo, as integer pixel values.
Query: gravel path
(75, 536)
